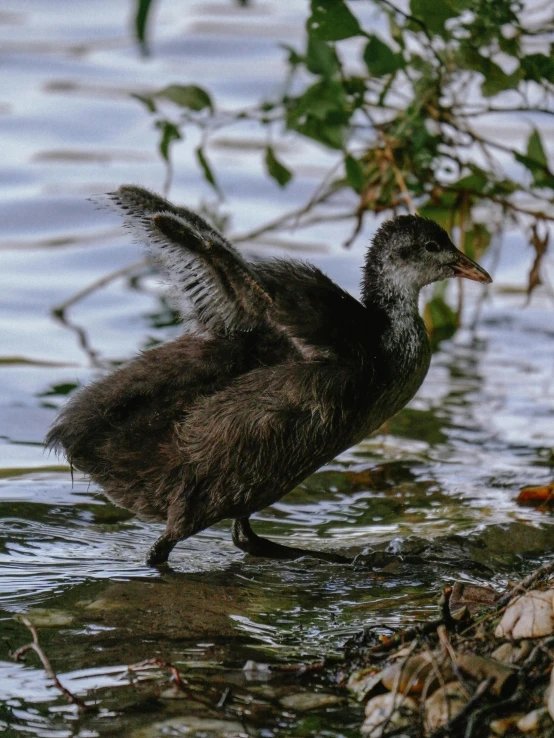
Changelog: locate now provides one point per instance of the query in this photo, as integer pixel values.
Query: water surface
(450, 464)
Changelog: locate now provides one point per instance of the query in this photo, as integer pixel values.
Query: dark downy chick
(279, 371)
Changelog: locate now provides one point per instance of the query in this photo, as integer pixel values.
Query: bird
(278, 370)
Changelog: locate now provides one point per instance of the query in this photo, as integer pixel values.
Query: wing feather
(209, 281)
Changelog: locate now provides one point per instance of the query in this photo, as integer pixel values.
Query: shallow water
(452, 463)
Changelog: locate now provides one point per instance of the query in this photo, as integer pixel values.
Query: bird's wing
(209, 280)
(317, 314)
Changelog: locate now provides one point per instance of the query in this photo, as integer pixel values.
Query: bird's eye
(432, 246)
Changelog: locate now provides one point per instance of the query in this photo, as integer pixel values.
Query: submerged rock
(44, 618)
(191, 726)
(305, 701)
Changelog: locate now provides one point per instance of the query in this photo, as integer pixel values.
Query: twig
(60, 309)
(530, 579)
(178, 681)
(35, 646)
(82, 339)
(403, 636)
(400, 181)
(224, 697)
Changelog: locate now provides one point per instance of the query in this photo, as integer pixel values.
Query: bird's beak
(466, 267)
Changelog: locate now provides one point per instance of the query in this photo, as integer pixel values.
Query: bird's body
(282, 371)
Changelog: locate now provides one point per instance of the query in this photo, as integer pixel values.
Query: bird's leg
(160, 551)
(245, 539)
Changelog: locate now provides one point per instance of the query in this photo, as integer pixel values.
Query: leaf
(321, 113)
(321, 58)
(332, 20)
(433, 14)
(354, 173)
(148, 102)
(534, 496)
(380, 59)
(535, 149)
(170, 133)
(294, 59)
(207, 170)
(536, 162)
(141, 23)
(496, 79)
(187, 96)
(476, 182)
(539, 67)
(280, 173)
(440, 320)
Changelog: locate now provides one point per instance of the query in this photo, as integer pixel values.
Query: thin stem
(35, 646)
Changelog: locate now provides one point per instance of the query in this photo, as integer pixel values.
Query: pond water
(450, 464)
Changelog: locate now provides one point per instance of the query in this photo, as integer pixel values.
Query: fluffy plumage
(284, 371)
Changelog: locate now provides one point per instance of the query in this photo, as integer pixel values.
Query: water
(451, 463)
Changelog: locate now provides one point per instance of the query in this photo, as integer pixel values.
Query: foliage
(404, 121)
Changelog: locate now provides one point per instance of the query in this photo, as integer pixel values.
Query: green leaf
(535, 160)
(148, 102)
(476, 240)
(441, 321)
(441, 215)
(170, 133)
(187, 96)
(535, 149)
(539, 67)
(434, 13)
(294, 59)
(321, 58)
(331, 20)
(321, 113)
(280, 173)
(141, 23)
(354, 173)
(380, 59)
(319, 101)
(206, 169)
(477, 182)
(496, 80)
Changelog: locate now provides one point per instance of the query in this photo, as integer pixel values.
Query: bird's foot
(159, 553)
(249, 542)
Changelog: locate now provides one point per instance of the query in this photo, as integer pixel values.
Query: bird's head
(409, 252)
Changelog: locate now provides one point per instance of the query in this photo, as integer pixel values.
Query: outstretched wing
(209, 280)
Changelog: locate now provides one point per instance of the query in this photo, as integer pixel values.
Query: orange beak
(466, 267)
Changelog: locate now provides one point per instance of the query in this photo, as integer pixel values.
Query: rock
(409, 676)
(191, 726)
(43, 618)
(395, 709)
(529, 616)
(532, 721)
(305, 701)
(173, 693)
(444, 704)
(549, 696)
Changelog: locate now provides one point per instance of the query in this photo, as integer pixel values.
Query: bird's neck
(395, 293)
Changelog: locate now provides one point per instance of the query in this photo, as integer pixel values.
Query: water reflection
(450, 464)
